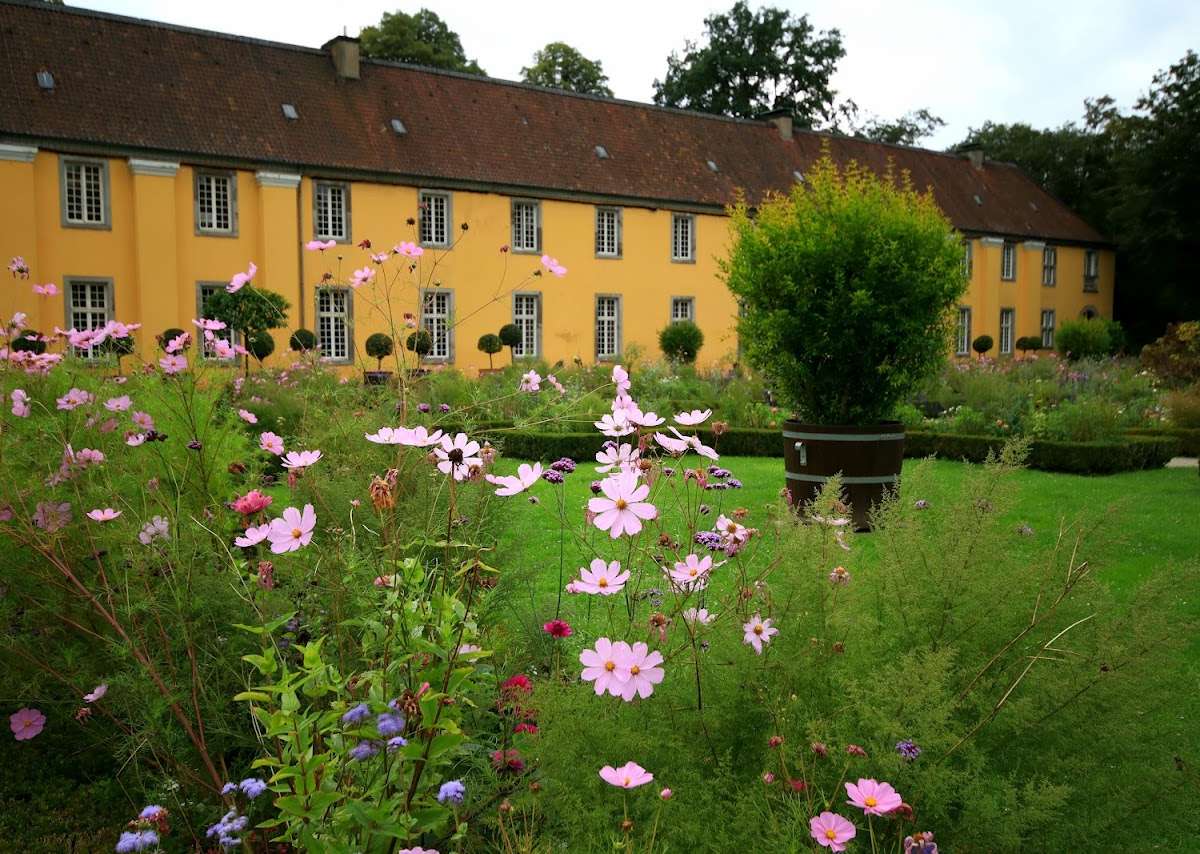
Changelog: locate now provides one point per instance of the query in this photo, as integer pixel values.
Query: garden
(574, 608)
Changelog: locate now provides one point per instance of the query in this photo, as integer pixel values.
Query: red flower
(526, 727)
(557, 629)
(798, 785)
(518, 684)
(508, 761)
(365, 244)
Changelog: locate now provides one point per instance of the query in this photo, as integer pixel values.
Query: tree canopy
(909, 129)
(422, 38)
(560, 66)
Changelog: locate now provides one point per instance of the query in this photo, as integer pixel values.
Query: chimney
(343, 50)
(974, 153)
(782, 119)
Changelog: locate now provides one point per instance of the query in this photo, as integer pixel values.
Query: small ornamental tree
(249, 310)
(260, 344)
(118, 347)
(29, 341)
(419, 342)
(510, 336)
(167, 336)
(302, 341)
(1029, 342)
(681, 341)
(982, 344)
(490, 344)
(848, 285)
(379, 347)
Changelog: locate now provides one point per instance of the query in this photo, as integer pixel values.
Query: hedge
(1189, 437)
(1135, 452)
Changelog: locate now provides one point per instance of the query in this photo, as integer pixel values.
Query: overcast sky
(965, 61)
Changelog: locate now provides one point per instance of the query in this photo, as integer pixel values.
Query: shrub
(982, 344)
(1029, 342)
(491, 344)
(29, 341)
(1176, 356)
(249, 310)
(1184, 406)
(1088, 338)
(302, 340)
(419, 342)
(260, 344)
(847, 286)
(510, 337)
(379, 346)
(167, 336)
(680, 341)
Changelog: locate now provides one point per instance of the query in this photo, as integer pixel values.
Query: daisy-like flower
(758, 632)
(300, 459)
(628, 776)
(872, 797)
(527, 475)
(730, 531)
(691, 573)
(558, 629)
(419, 437)
(247, 416)
(620, 378)
(253, 536)
(252, 502)
(361, 277)
(271, 443)
(240, 280)
(680, 444)
(156, 529)
(74, 398)
(408, 250)
(606, 665)
(672, 445)
(26, 723)
(106, 514)
(293, 530)
(643, 419)
(531, 381)
(222, 349)
(614, 425)
(552, 266)
(96, 693)
(118, 404)
(143, 420)
(134, 439)
(691, 419)
(47, 290)
(386, 436)
(698, 616)
(644, 672)
(20, 403)
(831, 830)
(206, 325)
(613, 456)
(320, 245)
(602, 578)
(457, 456)
(622, 506)
(173, 364)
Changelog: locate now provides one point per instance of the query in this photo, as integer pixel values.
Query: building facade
(142, 165)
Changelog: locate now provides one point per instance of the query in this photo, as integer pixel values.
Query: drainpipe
(300, 248)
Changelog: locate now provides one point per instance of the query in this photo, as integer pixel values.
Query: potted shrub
(419, 343)
(848, 285)
(1029, 342)
(260, 344)
(379, 347)
(302, 341)
(982, 344)
(490, 344)
(510, 336)
(681, 341)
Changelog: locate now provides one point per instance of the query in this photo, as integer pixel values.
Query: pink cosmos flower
(208, 325)
(118, 404)
(18, 267)
(623, 506)
(74, 398)
(222, 349)
(698, 616)
(96, 693)
(620, 378)
(672, 445)
(270, 443)
(628, 776)
(179, 343)
(558, 629)
(691, 573)
(47, 290)
(293, 530)
(872, 797)
(117, 329)
(606, 665)
(831, 830)
(386, 436)
(417, 850)
(20, 403)
(644, 672)
(730, 530)
(134, 439)
(143, 420)
(105, 515)
(26, 723)
(623, 457)
(643, 419)
(156, 529)
(602, 578)
(758, 632)
(320, 245)
(300, 459)
(614, 425)
(457, 456)
(173, 364)
(240, 280)
(380, 257)
(247, 416)
(553, 266)
(531, 381)
(691, 419)
(527, 475)
(253, 536)
(361, 277)
(409, 250)
(252, 502)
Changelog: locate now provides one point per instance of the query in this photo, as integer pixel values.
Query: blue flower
(396, 742)
(364, 750)
(390, 725)
(908, 749)
(253, 787)
(229, 788)
(138, 840)
(453, 791)
(356, 715)
(150, 812)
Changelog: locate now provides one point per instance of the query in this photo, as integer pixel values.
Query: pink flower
(553, 266)
(222, 349)
(628, 776)
(26, 723)
(361, 277)
(457, 456)
(143, 420)
(252, 502)
(380, 257)
(644, 672)
(418, 437)
(872, 797)
(270, 443)
(409, 250)
(417, 850)
(691, 573)
(118, 404)
(681, 444)
(208, 325)
(603, 579)
(613, 456)
(240, 280)
(831, 830)
(253, 536)
(606, 665)
(293, 530)
(247, 416)
(300, 459)
(758, 632)
(179, 343)
(672, 446)
(698, 616)
(691, 419)
(96, 693)
(74, 398)
(614, 425)
(105, 515)
(173, 364)
(47, 290)
(527, 475)
(620, 378)
(320, 245)
(531, 381)
(558, 629)
(643, 419)
(731, 531)
(18, 267)
(386, 436)
(134, 439)
(20, 403)
(623, 506)
(666, 794)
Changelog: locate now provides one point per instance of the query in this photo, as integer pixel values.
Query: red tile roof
(143, 87)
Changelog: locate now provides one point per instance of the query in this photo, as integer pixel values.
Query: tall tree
(909, 129)
(560, 66)
(421, 39)
(753, 62)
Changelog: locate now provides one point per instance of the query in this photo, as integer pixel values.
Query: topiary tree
(260, 344)
(29, 341)
(982, 344)
(680, 341)
(302, 340)
(167, 336)
(510, 336)
(119, 348)
(1029, 342)
(419, 342)
(490, 344)
(249, 310)
(379, 347)
(848, 286)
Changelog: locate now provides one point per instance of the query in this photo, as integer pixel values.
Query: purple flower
(552, 476)
(908, 749)
(595, 487)
(733, 483)
(423, 407)
(703, 509)
(230, 824)
(718, 472)
(668, 471)
(445, 407)
(229, 788)
(356, 715)
(390, 725)
(364, 750)
(50, 517)
(396, 742)
(566, 465)
(150, 812)
(136, 840)
(711, 540)
(253, 787)
(453, 791)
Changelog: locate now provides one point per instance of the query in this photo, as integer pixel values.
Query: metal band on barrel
(845, 437)
(821, 478)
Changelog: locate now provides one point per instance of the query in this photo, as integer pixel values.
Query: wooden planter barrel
(868, 458)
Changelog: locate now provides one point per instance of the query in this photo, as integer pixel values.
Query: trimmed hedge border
(1136, 452)
(1189, 437)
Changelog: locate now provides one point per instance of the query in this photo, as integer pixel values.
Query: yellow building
(142, 165)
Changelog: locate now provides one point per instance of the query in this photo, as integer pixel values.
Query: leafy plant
(168, 335)
(491, 344)
(260, 344)
(249, 309)
(1027, 343)
(1089, 338)
(29, 341)
(1176, 355)
(379, 346)
(982, 344)
(680, 341)
(419, 342)
(302, 341)
(510, 337)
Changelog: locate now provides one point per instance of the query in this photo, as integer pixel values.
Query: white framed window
(962, 346)
(527, 315)
(434, 219)
(333, 324)
(216, 203)
(608, 327)
(683, 308)
(1048, 328)
(1008, 261)
(331, 211)
(89, 306)
(1091, 270)
(205, 291)
(85, 193)
(968, 257)
(1049, 266)
(683, 237)
(436, 309)
(1007, 318)
(526, 226)
(608, 232)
